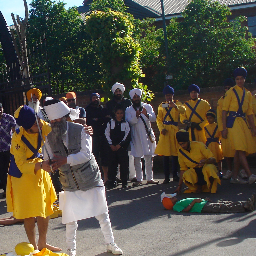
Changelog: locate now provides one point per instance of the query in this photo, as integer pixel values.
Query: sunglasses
(69, 100)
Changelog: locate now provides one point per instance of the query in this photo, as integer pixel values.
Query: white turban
(56, 110)
(135, 91)
(118, 86)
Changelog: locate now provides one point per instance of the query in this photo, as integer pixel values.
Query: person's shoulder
(204, 101)
(9, 117)
(198, 144)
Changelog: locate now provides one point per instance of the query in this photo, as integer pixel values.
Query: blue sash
(13, 168)
(211, 139)
(239, 113)
(193, 111)
(168, 113)
(184, 154)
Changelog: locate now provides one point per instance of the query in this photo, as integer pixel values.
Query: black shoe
(134, 179)
(118, 180)
(166, 181)
(4, 195)
(124, 186)
(110, 184)
(175, 178)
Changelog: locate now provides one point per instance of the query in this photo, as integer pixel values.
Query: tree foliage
(105, 5)
(117, 51)
(205, 47)
(60, 35)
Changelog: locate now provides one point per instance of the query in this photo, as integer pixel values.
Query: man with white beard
(83, 197)
(143, 144)
(34, 95)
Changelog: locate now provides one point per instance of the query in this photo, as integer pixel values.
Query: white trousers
(148, 168)
(132, 172)
(105, 226)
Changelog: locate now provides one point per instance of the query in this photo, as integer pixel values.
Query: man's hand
(202, 162)
(88, 129)
(224, 133)
(113, 148)
(58, 161)
(46, 166)
(138, 113)
(177, 190)
(253, 129)
(117, 147)
(172, 104)
(164, 131)
(144, 112)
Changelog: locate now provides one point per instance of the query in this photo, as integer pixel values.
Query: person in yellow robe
(228, 149)
(30, 193)
(213, 135)
(237, 105)
(195, 114)
(197, 166)
(167, 122)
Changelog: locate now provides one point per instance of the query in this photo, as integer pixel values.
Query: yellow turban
(34, 91)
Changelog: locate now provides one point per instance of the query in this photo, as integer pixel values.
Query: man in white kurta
(70, 149)
(143, 143)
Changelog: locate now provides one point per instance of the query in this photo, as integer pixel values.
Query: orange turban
(71, 95)
(34, 91)
(167, 203)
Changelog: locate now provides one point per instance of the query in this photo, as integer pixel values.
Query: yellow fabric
(34, 91)
(46, 252)
(240, 133)
(190, 179)
(215, 147)
(230, 102)
(201, 109)
(254, 107)
(198, 151)
(227, 145)
(33, 194)
(167, 144)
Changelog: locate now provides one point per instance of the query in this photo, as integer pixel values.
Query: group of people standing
(122, 136)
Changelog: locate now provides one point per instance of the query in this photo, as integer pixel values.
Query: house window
(252, 25)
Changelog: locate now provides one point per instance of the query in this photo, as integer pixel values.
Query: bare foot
(50, 247)
(9, 221)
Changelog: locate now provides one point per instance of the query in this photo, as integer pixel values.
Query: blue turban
(193, 87)
(25, 116)
(229, 82)
(168, 90)
(94, 94)
(240, 72)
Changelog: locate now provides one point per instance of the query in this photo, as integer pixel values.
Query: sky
(17, 7)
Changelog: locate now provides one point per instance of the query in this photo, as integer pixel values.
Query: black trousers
(118, 157)
(4, 166)
(175, 167)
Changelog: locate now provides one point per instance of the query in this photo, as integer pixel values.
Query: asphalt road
(142, 226)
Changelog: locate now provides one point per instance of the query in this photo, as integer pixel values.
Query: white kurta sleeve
(84, 155)
(107, 133)
(151, 113)
(46, 149)
(130, 116)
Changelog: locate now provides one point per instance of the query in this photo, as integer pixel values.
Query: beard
(95, 103)
(72, 104)
(136, 103)
(58, 130)
(34, 105)
(117, 96)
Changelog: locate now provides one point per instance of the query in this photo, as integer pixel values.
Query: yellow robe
(167, 144)
(227, 145)
(215, 147)
(254, 112)
(32, 194)
(201, 109)
(198, 151)
(240, 133)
